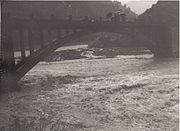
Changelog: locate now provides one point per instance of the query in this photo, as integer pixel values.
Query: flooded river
(125, 93)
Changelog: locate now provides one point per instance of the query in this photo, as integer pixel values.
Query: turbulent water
(125, 93)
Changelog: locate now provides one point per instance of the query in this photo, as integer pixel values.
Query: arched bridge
(27, 31)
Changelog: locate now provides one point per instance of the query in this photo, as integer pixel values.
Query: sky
(139, 6)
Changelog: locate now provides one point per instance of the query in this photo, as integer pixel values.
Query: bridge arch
(140, 39)
(154, 38)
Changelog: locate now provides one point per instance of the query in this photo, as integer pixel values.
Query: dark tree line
(78, 10)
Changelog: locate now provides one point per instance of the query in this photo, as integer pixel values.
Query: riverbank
(83, 52)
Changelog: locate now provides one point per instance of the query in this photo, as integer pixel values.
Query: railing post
(51, 26)
(70, 18)
(30, 41)
(67, 32)
(23, 55)
(59, 33)
(86, 18)
(100, 18)
(41, 38)
(74, 31)
(52, 17)
(49, 34)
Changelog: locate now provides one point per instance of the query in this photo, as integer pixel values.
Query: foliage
(165, 12)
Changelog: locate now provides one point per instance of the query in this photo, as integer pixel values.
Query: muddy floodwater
(124, 93)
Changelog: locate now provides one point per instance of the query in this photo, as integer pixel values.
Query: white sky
(138, 6)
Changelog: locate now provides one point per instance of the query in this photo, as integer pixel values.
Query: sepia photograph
(107, 65)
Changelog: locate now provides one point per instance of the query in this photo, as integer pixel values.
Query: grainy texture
(126, 93)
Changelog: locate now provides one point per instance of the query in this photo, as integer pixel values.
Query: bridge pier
(7, 78)
(163, 42)
(174, 40)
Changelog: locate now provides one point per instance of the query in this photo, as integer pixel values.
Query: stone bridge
(11, 68)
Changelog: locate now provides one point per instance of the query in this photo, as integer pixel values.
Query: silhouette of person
(123, 17)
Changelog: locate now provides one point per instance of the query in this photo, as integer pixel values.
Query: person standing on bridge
(123, 17)
(117, 16)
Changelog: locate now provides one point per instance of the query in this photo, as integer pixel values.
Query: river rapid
(124, 93)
